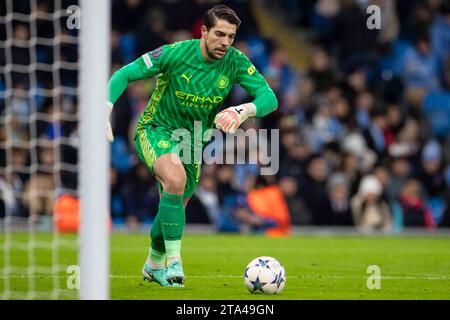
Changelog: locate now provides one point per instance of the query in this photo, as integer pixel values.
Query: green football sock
(171, 215)
(156, 234)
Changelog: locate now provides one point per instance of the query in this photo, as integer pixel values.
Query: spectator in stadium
(20, 104)
(20, 51)
(421, 18)
(121, 159)
(325, 125)
(407, 140)
(355, 82)
(127, 14)
(430, 171)
(117, 55)
(445, 221)
(225, 181)
(293, 162)
(413, 208)
(339, 200)
(358, 157)
(322, 18)
(420, 73)
(38, 195)
(375, 133)
(19, 131)
(390, 24)
(140, 197)
(236, 213)
(248, 220)
(206, 192)
(20, 160)
(359, 49)
(332, 155)
(400, 172)
(313, 189)
(8, 203)
(152, 32)
(342, 112)
(298, 211)
(291, 106)
(364, 103)
(320, 72)
(370, 211)
(394, 121)
(351, 167)
(382, 173)
(279, 68)
(305, 89)
(440, 32)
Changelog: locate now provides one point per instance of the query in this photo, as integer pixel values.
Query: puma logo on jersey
(186, 77)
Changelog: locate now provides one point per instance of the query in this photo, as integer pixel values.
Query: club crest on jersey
(157, 52)
(163, 144)
(223, 82)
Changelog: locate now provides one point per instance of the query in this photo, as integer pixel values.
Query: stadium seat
(437, 112)
(437, 207)
(397, 216)
(128, 47)
(121, 159)
(394, 60)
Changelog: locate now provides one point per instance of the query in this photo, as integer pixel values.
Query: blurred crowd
(364, 130)
(366, 127)
(38, 108)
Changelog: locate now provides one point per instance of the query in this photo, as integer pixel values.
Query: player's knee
(175, 183)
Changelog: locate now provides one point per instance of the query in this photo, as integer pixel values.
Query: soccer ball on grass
(265, 275)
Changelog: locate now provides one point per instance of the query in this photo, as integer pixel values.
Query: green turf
(317, 267)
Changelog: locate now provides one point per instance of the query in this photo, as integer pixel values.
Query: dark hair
(220, 12)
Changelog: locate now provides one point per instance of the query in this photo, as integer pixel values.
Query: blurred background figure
(338, 187)
(370, 211)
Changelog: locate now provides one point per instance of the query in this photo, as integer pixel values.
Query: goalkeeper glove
(230, 119)
(109, 133)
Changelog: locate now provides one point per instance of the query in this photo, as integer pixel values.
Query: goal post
(95, 157)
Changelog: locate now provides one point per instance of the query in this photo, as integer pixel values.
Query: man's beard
(210, 53)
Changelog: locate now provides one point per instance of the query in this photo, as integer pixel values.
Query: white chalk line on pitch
(228, 249)
(318, 277)
(306, 277)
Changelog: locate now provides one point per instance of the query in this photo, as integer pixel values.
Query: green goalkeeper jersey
(189, 88)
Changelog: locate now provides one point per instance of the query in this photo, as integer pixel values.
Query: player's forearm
(265, 103)
(120, 79)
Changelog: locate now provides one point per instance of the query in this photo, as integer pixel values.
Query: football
(265, 275)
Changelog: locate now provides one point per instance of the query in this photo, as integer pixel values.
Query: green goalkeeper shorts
(153, 142)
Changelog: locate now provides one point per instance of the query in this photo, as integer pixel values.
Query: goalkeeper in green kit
(193, 79)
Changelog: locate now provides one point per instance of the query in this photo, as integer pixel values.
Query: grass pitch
(317, 267)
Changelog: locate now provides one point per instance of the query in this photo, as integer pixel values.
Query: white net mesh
(38, 149)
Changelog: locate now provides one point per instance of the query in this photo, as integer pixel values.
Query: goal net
(43, 152)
